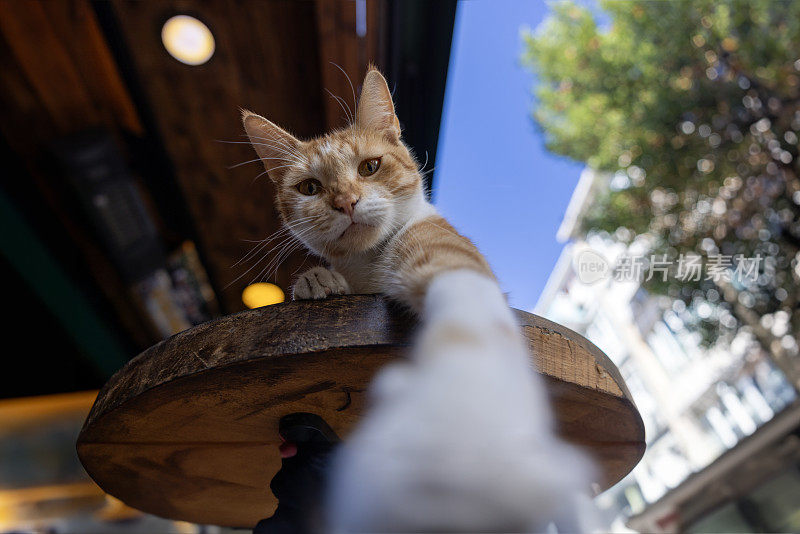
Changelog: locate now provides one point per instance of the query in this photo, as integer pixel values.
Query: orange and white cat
(459, 437)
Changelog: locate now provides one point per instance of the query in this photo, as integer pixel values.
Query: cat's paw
(319, 283)
(427, 458)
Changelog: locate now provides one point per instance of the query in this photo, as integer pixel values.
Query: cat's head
(349, 190)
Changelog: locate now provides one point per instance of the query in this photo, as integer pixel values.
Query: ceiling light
(262, 294)
(188, 40)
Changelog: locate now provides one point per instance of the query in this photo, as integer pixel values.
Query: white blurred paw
(319, 283)
(448, 446)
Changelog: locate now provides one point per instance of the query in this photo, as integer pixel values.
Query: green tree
(694, 108)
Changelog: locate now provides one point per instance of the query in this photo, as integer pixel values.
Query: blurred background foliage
(691, 110)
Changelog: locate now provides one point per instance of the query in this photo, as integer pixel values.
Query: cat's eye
(368, 167)
(309, 187)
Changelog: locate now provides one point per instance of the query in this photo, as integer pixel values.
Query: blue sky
(494, 179)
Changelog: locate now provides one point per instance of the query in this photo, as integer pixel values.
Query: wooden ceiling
(59, 77)
(272, 57)
(69, 66)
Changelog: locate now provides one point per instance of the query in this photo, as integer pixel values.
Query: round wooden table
(188, 429)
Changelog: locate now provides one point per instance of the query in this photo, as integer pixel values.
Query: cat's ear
(375, 108)
(276, 147)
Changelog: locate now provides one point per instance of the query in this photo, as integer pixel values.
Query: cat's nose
(345, 203)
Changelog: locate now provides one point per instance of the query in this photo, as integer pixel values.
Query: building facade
(696, 403)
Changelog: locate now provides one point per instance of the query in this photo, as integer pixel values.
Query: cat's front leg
(319, 283)
(459, 437)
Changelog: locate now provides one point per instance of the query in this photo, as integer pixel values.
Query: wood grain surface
(188, 429)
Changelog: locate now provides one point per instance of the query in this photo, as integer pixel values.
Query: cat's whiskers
(342, 104)
(350, 113)
(280, 149)
(286, 152)
(261, 243)
(292, 234)
(267, 171)
(283, 149)
(424, 164)
(303, 264)
(258, 160)
(272, 268)
(255, 249)
(265, 255)
(355, 104)
(286, 148)
(290, 245)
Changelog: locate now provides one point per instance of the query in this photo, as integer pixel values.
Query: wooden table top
(188, 429)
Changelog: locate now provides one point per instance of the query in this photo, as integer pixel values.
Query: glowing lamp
(262, 294)
(188, 40)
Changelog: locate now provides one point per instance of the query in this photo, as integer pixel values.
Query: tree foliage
(694, 109)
